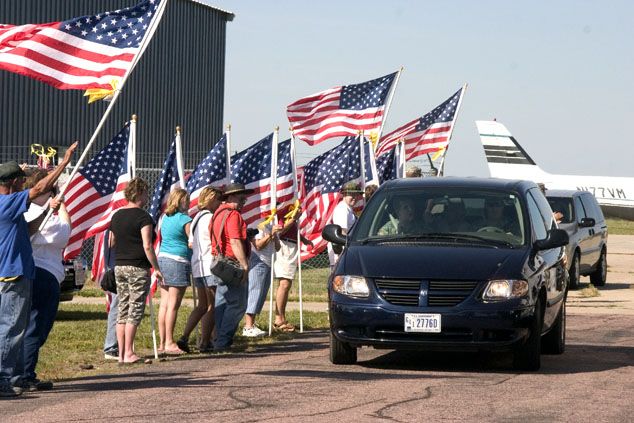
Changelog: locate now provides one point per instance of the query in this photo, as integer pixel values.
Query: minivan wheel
(527, 356)
(341, 352)
(554, 342)
(599, 276)
(574, 271)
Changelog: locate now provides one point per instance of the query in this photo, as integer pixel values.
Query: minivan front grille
(441, 293)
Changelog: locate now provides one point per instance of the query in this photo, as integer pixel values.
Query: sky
(558, 74)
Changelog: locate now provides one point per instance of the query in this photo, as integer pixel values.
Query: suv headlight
(505, 289)
(353, 286)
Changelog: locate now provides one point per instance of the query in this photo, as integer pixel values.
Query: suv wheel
(554, 342)
(341, 352)
(574, 271)
(527, 356)
(599, 276)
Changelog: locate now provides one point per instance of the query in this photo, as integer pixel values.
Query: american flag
(252, 167)
(323, 178)
(426, 134)
(101, 250)
(96, 191)
(80, 53)
(340, 111)
(387, 165)
(168, 180)
(371, 176)
(211, 171)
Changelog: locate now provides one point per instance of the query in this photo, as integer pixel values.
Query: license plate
(420, 322)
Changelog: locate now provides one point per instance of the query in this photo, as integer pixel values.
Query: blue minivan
(451, 264)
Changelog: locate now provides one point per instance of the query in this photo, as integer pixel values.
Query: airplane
(508, 160)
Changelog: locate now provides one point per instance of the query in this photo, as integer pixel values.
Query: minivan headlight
(353, 286)
(505, 289)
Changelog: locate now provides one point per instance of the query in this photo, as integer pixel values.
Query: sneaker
(8, 391)
(183, 344)
(111, 355)
(252, 332)
(33, 385)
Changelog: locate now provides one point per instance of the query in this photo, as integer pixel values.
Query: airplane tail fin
(505, 156)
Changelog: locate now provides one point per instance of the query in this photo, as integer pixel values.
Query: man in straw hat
(17, 268)
(344, 214)
(231, 299)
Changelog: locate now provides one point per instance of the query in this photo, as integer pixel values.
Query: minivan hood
(433, 262)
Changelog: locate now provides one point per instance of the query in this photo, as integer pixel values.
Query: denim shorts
(206, 281)
(175, 273)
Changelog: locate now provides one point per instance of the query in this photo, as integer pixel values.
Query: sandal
(283, 327)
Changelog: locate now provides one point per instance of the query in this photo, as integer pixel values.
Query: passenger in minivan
(402, 219)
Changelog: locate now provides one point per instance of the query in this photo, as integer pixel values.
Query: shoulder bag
(108, 280)
(225, 268)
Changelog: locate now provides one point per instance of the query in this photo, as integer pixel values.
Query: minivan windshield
(461, 215)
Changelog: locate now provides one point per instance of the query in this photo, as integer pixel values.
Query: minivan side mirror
(587, 222)
(556, 238)
(334, 234)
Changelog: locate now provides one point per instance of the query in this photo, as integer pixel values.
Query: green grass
(80, 329)
(620, 226)
(314, 287)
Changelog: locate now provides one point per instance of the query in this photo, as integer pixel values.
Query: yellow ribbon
(38, 150)
(95, 94)
(292, 212)
(374, 138)
(438, 154)
(268, 220)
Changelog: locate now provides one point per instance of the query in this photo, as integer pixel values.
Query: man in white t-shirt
(344, 214)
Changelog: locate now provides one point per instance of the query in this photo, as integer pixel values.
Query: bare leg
(249, 320)
(207, 322)
(281, 299)
(161, 316)
(174, 302)
(130, 333)
(197, 313)
(121, 340)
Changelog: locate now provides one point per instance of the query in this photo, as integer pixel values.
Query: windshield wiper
(436, 235)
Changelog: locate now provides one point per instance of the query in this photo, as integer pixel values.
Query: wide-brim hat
(351, 188)
(236, 188)
(10, 170)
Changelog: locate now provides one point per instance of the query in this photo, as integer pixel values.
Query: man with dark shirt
(17, 269)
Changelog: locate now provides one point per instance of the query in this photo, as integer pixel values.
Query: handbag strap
(196, 221)
(222, 229)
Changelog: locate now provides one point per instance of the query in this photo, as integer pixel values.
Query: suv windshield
(451, 215)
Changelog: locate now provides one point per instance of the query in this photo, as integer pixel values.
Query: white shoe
(252, 332)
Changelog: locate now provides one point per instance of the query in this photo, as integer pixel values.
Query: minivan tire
(527, 355)
(574, 271)
(599, 276)
(341, 352)
(554, 342)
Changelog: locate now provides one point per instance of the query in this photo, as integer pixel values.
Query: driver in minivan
(497, 218)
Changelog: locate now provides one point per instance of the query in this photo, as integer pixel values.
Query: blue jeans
(231, 303)
(259, 284)
(44, 303)
(15, 305)
(110, 344)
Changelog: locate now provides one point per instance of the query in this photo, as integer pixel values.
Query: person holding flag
(343, 215)
(131, 230)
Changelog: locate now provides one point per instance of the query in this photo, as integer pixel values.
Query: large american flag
(426, 134)
(340, 111)
(96, 191)
(80, 53)
(322, 180)
(252, 167)
(211, 171)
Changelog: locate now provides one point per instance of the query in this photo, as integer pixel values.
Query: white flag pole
(388, 104)
(228, 180)
(115, 96)
(273, 196)
(299, 239)
(401, 158)
(362, 157)
(441, 168)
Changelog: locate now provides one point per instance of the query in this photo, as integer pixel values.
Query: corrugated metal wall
(179, 81)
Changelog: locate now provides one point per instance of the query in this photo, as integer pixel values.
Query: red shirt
(235, 228)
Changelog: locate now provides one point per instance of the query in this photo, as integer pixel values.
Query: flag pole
(401, 157)
(273, 196)
(362, 157)
(115, 96)
(388, 104)
(228, 158)
(441, 168)
(299, 239)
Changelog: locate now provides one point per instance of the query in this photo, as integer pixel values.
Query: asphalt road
(294, 381)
